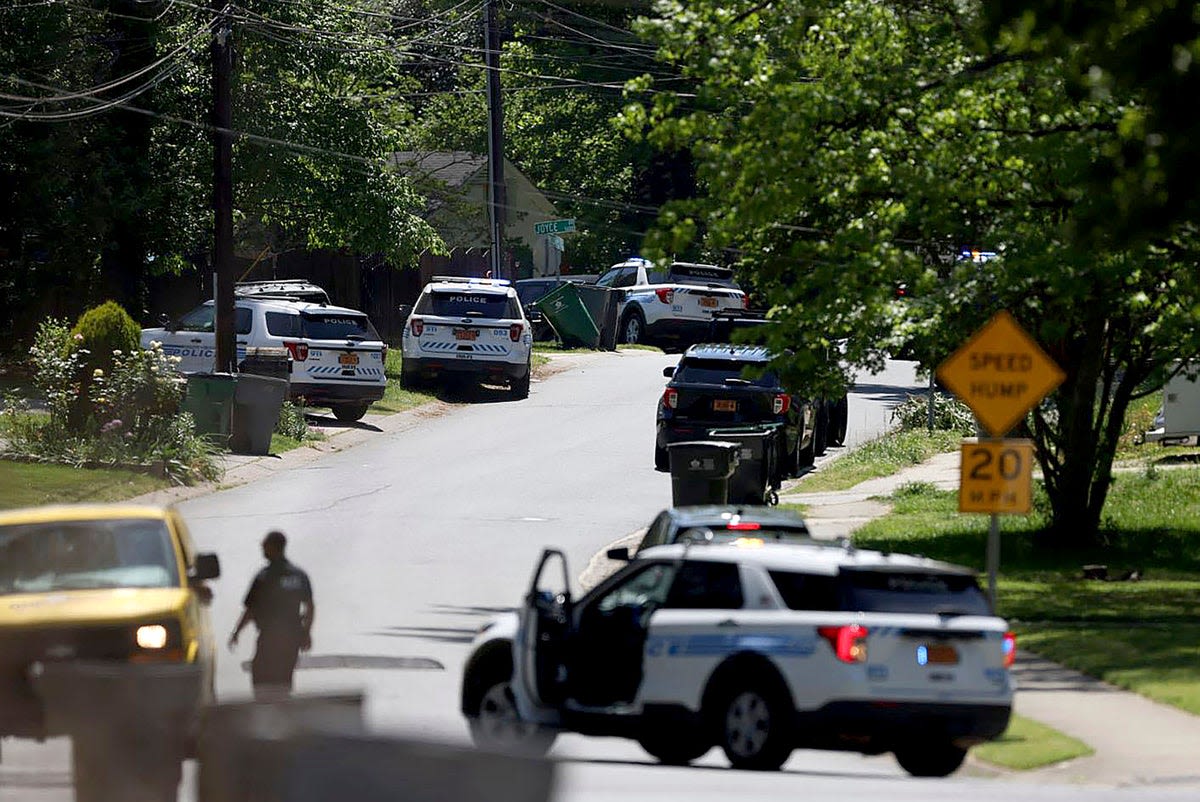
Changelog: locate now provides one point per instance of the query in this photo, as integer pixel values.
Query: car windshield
(467, 303)
(771, 534)
(203, 318)
(912, 592)
(337, 326)
(724, 371)
(85, 555)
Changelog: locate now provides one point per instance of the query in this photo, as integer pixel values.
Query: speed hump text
(997, 477)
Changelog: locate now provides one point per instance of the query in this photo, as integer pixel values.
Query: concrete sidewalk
(1137, 742)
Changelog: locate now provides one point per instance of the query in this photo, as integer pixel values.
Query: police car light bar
(495, 282)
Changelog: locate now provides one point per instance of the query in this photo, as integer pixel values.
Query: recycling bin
(756, 475)
(602, 303)
(209, 399)
(256, 405)
(700, 471)
(273, 362)
(567, 314)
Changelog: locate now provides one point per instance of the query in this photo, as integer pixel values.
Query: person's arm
(308, 614)
(237, 630)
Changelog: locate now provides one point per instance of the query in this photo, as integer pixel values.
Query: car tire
(821, 429)
(930, 759)
(520, 387)
(633, 328)
(662, 459)
(349, 413)
(674, 749)
(492, 715)
(806, 455)
(410, 378)
(837, 422)
(753, 723)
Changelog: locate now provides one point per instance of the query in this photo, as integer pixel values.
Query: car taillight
(743, 526)
(1010, 649)
(849, 642)
(299, 351)
(782, 403)
(665, 294)
(514, 332)
(417, 325)
(671, 398)
(745, 301)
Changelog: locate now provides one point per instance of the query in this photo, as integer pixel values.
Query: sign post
(549, 230)
(1000, 373)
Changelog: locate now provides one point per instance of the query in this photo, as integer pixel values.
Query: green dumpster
(566, 313)
(209, 398)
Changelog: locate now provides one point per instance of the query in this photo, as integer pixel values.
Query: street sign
(1000, 373)
(997, 477)
(556, 242)
(554, 226)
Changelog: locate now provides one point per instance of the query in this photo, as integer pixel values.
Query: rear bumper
(678, 329)
(881, 726)
(475, 367)
(671, 431)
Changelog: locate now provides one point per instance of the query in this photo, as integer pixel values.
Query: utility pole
(222, 199)
(496, 192)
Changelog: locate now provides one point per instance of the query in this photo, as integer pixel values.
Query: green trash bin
(756, 477)
(209, 398)
(700, 471)
(566, 313)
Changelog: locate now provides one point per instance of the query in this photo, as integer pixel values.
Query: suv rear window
(336, 326)
(716, 371)
(468, 303)
(701, 274)
(912, 592)
(706, 586)
(806, 591)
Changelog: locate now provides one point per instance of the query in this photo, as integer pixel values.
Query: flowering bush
(949, 414)
(128, 415)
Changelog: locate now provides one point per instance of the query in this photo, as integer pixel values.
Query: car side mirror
(622, 554)
(669, 372)
(208, 566)
(534, 314)
(167, 323)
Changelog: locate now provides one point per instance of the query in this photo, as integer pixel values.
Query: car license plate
(937, 654)
(724, 405)
(348, 359)
(708, 302)
(466, 334)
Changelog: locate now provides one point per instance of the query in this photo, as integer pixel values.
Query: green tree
(845, 148)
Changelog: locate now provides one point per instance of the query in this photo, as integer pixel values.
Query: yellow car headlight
(152, 636)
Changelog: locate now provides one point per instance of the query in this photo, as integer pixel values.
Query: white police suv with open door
(757, 647)
(468, 327)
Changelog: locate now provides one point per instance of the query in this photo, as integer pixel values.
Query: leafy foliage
(292, 422)
(949, 414)
(103, 333)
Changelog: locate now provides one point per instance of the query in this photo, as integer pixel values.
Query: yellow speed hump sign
(996, 477)
(1000, 373)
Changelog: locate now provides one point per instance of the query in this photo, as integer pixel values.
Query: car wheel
(633, 328)
(837, 423)
(805, 455)
(675, 749)
(821, 429)
(348, 413)
(520, 387)
(753, 725)
(662, 460)
(410, 378)
(930, 759)
(492, 714)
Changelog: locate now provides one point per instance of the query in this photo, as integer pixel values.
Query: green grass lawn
(1143, 636)
(25, 484)
(882, 457)
(1026, 744)
(396, 398)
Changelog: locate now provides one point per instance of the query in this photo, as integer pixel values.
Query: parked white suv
(338, 359)
(468, 326)
(676, 304)
(758, 647)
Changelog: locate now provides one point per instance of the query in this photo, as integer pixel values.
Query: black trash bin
(602, 303)
(756, 477)
(700, 471)
(273, 362)
(256, 404)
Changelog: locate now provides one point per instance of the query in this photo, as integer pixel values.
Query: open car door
(544, 627)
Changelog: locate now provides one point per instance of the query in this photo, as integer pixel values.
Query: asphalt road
(412, 540)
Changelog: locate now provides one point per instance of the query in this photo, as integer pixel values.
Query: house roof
(454, 168)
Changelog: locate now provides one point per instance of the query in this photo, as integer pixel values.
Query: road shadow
(654, 763)
(330, 422)
(887, 394)
(454, 609)
(376, 662)
(438, 634)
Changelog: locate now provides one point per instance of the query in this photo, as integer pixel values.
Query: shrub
(949, 414)
(105, 331)
(292, 422)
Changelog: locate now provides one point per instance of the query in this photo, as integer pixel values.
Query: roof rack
(495, 282)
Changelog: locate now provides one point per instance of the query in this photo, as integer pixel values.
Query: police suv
(758, 647)
(337, 357)
(675, 304)
(468, 326)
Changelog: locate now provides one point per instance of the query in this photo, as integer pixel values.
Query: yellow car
(105, 636)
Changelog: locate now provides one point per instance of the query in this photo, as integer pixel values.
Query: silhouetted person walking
(280, 602)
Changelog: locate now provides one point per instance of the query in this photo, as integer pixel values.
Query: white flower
(98, 373)
(116, 352)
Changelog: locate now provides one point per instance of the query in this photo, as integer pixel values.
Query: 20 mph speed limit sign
(997, 477)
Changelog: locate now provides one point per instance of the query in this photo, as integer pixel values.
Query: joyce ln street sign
(554, 226)
(1000, 373)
